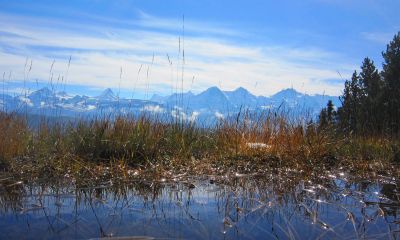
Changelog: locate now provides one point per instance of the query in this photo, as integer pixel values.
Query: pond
(274, 204)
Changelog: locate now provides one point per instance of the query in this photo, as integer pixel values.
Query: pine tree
(349, 113)
(391, 78)
(327, 116)
(323, 118)
(344, 110)
(330, 112)
(370, 79)
(370, 98)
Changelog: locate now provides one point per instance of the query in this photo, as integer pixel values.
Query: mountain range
(210, 104)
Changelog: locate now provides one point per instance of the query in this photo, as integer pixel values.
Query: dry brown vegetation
(13, 138)
(122, 147)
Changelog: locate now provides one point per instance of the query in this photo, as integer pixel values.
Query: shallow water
(281, 204)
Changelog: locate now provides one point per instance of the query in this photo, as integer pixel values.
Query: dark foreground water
(271, 205)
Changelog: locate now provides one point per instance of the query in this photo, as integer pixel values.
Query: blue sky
(135, 47)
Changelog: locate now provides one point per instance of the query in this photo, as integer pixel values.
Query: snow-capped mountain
(212, 99)
(242, 97)
(107, 95)
(42, 97)
(209, 104)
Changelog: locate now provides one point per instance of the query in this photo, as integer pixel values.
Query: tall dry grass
(14, 136)
(247, 141)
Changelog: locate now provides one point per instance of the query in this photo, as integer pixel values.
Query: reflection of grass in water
(285, 205)
(124, 148)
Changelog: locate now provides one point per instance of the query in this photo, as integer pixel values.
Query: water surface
(279, 204)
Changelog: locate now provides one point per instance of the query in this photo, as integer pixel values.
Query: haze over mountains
(210, 104)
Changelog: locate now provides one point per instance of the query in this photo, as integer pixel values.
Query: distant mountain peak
(241, 89)
(158, 98)
(212, 100)
(241, 92)
(213, 89)
(107, 94)
(289, 90)
(108, 91)
(42, 92)
(241, 97)
(62, 94)
(287, 93)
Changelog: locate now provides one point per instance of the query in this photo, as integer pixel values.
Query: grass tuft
(119, 147)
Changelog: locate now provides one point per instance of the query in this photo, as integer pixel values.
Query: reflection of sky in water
(328, 207)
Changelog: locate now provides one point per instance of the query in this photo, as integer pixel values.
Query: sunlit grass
(118, 147)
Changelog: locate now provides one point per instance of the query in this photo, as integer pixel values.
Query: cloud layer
(146, 55)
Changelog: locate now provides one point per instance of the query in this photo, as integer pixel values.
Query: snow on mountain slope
(209, 104)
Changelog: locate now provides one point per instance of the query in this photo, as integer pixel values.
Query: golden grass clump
(246, 142)
(14, 136)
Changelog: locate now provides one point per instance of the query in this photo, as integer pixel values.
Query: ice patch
(185, 117)
(91, 107)
(27, 101)
(153, 108)
(258, 145)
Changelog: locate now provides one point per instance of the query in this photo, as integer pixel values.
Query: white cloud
(149, 21)
(219, 115)
(378, 37)
(99, 54)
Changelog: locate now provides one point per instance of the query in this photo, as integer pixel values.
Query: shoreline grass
(128, 147)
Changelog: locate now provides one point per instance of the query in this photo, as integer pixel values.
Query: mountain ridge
(209, 103)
